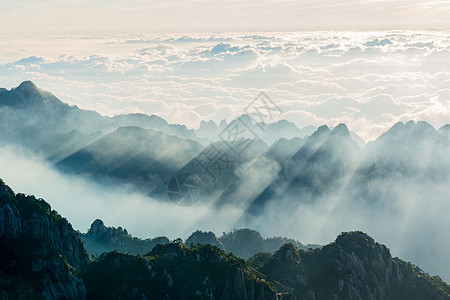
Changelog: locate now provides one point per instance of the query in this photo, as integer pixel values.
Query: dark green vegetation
(42, 257)
(174, 271)
(352, 267)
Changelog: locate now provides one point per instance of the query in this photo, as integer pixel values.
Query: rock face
(41, 255)
(353, 267)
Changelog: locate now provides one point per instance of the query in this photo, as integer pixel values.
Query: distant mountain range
(147, 152)
(243, 242)
(42, 257)
(268, 175)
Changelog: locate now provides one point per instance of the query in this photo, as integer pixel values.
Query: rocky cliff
(41, 254)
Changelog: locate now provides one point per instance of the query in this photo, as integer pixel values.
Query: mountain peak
(207, 125)
(28, 96)
(355, 236)
(28, 89)
(321, 131)
(341, 130)
(361, 243)
(413, 129)
(203, 237)
(287, 252)
(97, 228)
(27, 86)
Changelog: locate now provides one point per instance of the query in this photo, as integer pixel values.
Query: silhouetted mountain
(247, 242)
(155, 123)
(100, 239)
(28, 96)
(267, 132)
(35, 118)
(243, 243)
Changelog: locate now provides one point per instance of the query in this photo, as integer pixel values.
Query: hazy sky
(93, 16)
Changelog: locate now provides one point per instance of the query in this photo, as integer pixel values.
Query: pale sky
(100, 16)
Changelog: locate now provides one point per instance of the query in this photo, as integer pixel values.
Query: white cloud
(319, 77)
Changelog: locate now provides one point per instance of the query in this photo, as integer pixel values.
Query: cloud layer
(369, 80)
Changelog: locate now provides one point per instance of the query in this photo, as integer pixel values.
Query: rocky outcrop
(353, 267)
(41, 254)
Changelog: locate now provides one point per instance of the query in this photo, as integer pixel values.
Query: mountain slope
(143, 157)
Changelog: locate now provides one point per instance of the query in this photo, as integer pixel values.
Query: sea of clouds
(368, 80)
